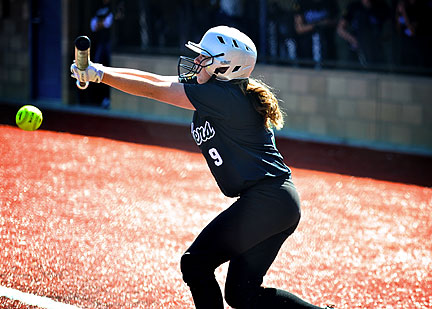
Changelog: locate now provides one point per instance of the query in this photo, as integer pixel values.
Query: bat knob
(82, 85)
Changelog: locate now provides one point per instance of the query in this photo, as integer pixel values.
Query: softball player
(232, 125)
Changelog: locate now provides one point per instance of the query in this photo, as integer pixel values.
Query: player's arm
(142, 74)
(166, 89)
(161, 88)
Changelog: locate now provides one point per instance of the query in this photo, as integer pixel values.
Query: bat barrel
(82, 43)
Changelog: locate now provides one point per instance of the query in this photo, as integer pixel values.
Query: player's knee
(236, 298)
(239, 296)
(233, 297)
(186, 266)
(194, 269)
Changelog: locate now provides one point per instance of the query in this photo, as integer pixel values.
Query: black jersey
(239, 150)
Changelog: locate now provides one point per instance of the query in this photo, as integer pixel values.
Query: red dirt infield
(101, 222)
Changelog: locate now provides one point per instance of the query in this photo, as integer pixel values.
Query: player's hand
(93, 73)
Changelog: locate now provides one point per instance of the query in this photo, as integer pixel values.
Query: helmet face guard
(186, 66)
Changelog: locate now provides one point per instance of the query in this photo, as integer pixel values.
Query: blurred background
(353, 72)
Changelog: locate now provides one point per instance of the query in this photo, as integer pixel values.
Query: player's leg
(273, 204)
(198, 264)
(213, 246)
(253, 218)
(245, 275)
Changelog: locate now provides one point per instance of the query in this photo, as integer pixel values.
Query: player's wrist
(95, 72)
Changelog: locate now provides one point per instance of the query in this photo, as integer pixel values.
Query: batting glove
(93, 73)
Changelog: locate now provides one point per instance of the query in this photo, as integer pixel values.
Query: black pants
(249, 234)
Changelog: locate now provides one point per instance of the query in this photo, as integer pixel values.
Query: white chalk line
(33, 300)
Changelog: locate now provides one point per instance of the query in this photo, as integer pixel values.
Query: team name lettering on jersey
(202, 133)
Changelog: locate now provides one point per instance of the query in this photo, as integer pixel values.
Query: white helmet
(230, 54)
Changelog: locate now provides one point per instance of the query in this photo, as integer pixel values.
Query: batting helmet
(229, 54)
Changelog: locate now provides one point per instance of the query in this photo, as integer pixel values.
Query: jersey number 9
(214, 154)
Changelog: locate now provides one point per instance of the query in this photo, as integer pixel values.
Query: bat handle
(82, 85)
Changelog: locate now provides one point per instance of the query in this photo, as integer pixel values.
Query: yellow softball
(29, 118)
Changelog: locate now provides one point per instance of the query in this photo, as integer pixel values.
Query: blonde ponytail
(267, 104)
